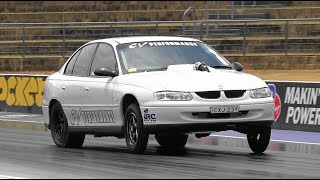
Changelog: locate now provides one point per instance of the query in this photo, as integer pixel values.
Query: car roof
(130, 39)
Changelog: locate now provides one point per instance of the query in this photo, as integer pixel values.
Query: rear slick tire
(60, 130)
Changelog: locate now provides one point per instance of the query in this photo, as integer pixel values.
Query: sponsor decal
(21, 91)
(149, 117)
(299, 100)
(162, 43)
(132, 70)
(89, 117)
(277, 101)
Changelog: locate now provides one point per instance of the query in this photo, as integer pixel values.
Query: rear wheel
(258, 138)
(59, 129)
(136, 136)
(168, 140)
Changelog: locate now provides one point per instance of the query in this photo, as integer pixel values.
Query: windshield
(148, 56)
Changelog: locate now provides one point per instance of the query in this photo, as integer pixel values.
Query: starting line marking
(276, 140)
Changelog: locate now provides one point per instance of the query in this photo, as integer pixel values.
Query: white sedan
(130, 87)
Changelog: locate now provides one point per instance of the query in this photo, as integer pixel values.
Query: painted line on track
(276, 140)
(22, 121)
(18, 115)
(10, 177)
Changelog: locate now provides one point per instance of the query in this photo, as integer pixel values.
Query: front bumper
(199, 118)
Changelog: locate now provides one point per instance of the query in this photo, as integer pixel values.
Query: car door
(99, 89)
(73, 91)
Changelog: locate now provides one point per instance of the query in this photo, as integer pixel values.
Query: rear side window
(71, 63)
(104, 57)
(81, 67)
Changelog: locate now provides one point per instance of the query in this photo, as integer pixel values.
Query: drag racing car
(172, 87)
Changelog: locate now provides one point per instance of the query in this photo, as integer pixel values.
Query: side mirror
(237, 66)
(105, 71)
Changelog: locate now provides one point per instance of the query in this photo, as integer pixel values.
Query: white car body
(94, 105)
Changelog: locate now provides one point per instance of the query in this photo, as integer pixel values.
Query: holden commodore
(172, 87)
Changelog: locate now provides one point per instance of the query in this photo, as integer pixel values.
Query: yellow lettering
(20, 99)
(3, 89)
(39, 95)
(30, 91)
(12, 82)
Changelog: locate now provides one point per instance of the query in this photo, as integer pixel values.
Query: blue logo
(148, 116)
(277, 101)
(272, 87)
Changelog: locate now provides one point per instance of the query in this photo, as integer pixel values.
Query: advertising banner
(21, 93)
(297, 105)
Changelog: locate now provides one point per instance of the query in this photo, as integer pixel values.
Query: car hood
(185, 78)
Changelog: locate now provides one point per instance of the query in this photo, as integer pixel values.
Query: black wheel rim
(132, 129)
(59, 124)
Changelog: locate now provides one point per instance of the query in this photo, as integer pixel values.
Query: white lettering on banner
(159, 43)
(139, 44)
(133, 45)
(306, 96)
(152, 44)
(303, 115)
(289, 114)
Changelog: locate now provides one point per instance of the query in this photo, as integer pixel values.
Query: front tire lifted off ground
(258, 138)
(169, 140)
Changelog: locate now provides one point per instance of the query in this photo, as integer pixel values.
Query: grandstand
(40, 35)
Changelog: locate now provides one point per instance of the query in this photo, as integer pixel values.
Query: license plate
(226, 109)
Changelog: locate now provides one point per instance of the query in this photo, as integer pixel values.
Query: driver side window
(104, 57)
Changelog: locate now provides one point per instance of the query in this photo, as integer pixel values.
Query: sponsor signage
(21, 93)
(161, 43)
(297, 105)
(149, 117)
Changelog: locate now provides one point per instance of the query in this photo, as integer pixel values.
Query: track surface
(32, 154)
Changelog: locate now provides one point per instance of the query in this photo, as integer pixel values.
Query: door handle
(63, 88)
(86, 89)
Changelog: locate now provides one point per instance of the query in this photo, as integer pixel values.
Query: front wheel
(59, 129)
(136, 136)
(258, 138)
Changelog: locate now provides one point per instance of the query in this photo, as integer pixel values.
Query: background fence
(40, 35)
(228, 36)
